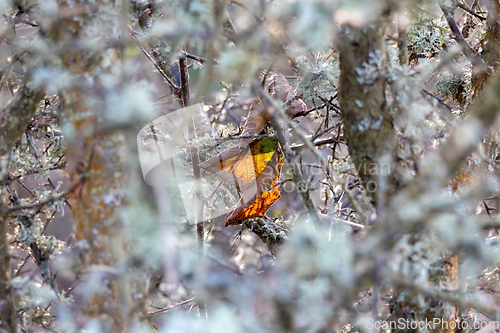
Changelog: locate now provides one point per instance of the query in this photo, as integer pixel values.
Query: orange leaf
(260, 195)
(253, 171)
(239, 166)
(254, 166)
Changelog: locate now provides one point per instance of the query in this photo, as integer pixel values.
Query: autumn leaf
(263, 191)
(254, 165)
(238, 161)
(252, 170)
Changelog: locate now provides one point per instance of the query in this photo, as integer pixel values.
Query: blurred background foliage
(386, 123)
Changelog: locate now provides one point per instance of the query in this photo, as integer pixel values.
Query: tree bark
(8, 314)
(18, 115)
(16, 119)
(368, 128)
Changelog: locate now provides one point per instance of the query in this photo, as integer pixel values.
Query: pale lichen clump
(476, 34)
(318, 79)
(427, 37)
(272, 232)
(28, 232)
(414, 258)
(421, 258)
(456, 85)
(33, 298)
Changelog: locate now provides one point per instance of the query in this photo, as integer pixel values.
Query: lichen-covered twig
(172, 85)
(153, 313)
(468, 51)
(18, 114)
(271, 233)
(8, 312)
(16, 119)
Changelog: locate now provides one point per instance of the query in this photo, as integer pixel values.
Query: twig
(440, 100)
(354, 203)
(186, 100)
(448, 14)
(281, 182)
(225, 101)
(171, 307)
(174, 87)
(471, 54)
(321, 142)
(264, 78)
(34, 171)
(50, 200)
(65, 295)
(402, 42)
(245, 7)
(326, 131)
(237, 137)
(72, 288)
(22, 266)
(191, 56)
(470, 11)
(331, 104)
(316, 108)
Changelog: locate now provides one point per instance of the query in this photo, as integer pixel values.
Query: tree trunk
(368, 128)
(13, 124)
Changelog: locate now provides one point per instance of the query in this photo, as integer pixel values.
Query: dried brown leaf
(282, 90)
